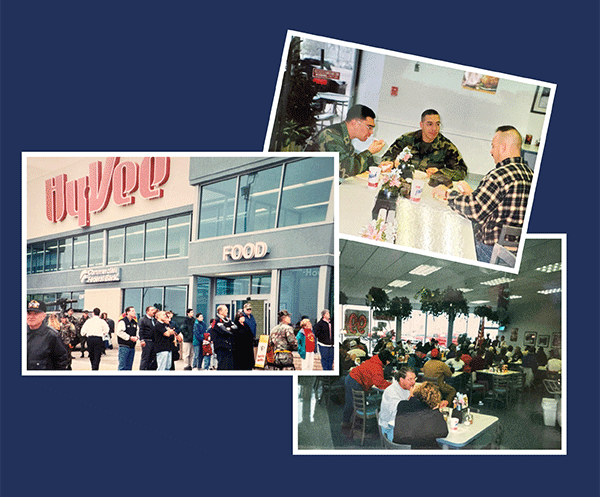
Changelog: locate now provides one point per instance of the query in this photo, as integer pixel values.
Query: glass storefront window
(37, 257)
(298, 292)
(133, 297)
(217, 209)
(306, 191)
(65, 253)
(51, 257)
(178, 236)
(261, 284)
(156, 236)
(116, 246)
(257, 200)
(80, 251)
(96, 253)
(176, 301)
(202, 297)
(154, 297)
(134, 243)
(233, 286)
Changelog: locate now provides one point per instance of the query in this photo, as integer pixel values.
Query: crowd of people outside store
(223, 344)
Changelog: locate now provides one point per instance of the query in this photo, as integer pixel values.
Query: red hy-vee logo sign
(92, 193)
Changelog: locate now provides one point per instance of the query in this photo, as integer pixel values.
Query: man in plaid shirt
(501, 197)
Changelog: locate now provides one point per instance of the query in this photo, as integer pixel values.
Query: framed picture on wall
(514, 334)
(556, 341)
(540, 100)
(543, 340)
(529, 338)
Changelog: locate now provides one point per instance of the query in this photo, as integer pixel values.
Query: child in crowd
(306, 345)
(207, 350)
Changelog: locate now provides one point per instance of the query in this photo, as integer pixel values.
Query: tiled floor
(319, 423)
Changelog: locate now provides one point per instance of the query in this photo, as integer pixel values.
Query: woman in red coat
(365, 376)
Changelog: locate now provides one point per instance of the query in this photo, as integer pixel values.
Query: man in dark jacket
(45, 348)
(146, 334)
(323, 330)
(187, 346)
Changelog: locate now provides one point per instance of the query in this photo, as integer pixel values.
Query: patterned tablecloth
(429, 225)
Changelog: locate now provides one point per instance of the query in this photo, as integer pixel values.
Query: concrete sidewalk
(110, 361)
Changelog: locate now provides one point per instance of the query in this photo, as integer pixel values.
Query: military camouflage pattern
(67, 333)
(336, 139)
(283, 340)
(440, 153)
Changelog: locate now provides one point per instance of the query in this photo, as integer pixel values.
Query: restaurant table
(428, 225)
(333, 98)
(499, 373)
(465, 435)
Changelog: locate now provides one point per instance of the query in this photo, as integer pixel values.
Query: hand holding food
(376, 146)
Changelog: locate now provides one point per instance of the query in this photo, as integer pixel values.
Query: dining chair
(385, 442)
(500, 253)
(516, 384)
(509, 236)
(362, 411)
(500, 388)
(474, 387)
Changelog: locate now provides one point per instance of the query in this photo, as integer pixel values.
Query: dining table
(477, 434)
(429, 225)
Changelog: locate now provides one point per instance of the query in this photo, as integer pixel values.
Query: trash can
(549, 407)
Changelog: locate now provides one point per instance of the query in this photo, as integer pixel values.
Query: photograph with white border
(415, 165)
(128, 257)
(408, 320)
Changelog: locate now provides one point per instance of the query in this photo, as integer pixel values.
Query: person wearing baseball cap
(436, 368)
(45, 348)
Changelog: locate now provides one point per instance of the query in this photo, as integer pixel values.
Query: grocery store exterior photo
(178, 232)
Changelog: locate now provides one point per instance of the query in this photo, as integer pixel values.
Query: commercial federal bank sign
(114, 180)
(104, 275)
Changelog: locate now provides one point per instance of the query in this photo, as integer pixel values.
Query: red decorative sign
(325, 74)
(91, 194)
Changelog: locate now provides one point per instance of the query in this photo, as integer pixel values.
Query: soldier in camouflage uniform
(359, 124)
(431, 151)
(68, 333)
(282, 341)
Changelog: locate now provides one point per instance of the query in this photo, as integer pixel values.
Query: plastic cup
(454, 424)
(418, 183)
(373, 181)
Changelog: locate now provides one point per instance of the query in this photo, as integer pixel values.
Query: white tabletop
(464, 435)
(500, 373)
(428, 225)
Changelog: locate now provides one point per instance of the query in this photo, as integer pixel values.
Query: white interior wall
(469, 118)
(537, 317)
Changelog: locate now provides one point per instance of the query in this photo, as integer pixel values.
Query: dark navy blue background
(175, 76)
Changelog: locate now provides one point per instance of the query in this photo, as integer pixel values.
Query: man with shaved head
(501, 197)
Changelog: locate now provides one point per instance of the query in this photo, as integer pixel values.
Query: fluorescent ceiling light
(550, 268)
(515, 297)
(424, 270)
(399, 283)
(465, 290)
(479, 301)
(497, 281)
(549, 291)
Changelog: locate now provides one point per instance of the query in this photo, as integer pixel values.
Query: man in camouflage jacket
(359, 124)
(431, 151)
(282, 341)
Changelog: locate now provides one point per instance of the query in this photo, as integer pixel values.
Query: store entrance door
(261, 308)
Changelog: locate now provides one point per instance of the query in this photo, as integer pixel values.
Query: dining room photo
(439, 356)
(434, 156)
